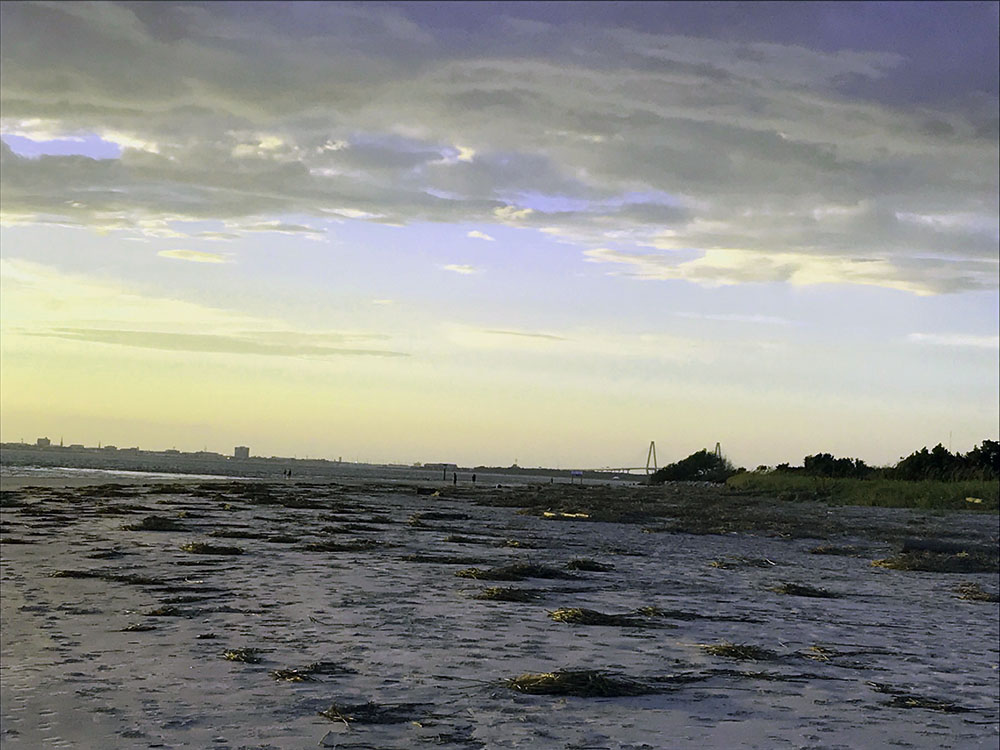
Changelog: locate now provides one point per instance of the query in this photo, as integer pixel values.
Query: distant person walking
(454, 477)
(473, 478)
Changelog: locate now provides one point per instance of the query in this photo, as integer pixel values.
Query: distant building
(241, 451)
(76, 446)
(43, 442)
(111, 448)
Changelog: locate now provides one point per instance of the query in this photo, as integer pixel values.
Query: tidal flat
(297, 614)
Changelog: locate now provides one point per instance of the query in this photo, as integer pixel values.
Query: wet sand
(116, 636)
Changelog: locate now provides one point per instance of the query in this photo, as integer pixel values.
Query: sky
(487, 233)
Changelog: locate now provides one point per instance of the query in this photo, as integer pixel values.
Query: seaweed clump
(582, 683)
(586, 564)
(353, 545)
(308, 674)
(740, 651)
(728, 563)
(201, 548)
(508, 594)
(581, 616)
(513, 572)
(155, 523)
(902, 699)
(941, 562)
(799, 589)
(372, 713)
(245, 655)
(833, 549)
(973, 592)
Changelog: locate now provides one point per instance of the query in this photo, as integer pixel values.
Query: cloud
(728, 267)
(477, 235)
(739, 318)
(512, 213)
(207, 343)
(462, 269)
(39, 301)
(804, 158)
(956, 339)
(527, 334)
(195, 256)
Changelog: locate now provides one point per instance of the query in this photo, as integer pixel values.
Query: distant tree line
(982, 462)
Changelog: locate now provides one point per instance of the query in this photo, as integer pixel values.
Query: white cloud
(126, 140)
(512, 213)
(462, 269)
(195, 256)
(739, 318)
(728, 267)
(477, 235)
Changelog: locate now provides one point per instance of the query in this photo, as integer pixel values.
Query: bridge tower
(651, 456)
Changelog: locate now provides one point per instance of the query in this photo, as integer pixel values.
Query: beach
(252, 614)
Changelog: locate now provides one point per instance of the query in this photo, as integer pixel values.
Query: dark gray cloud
(772, 129)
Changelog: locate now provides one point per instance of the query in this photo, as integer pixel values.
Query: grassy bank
(891, 493)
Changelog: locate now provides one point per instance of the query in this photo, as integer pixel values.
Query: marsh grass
(508, 594)
(513, 572)
(581, 683)
(973, 592)
(203, 548)
(739, 651)
(799, 589)
(889, 493)
(588, 565)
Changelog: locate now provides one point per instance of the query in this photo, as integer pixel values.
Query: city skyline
(549, 232)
